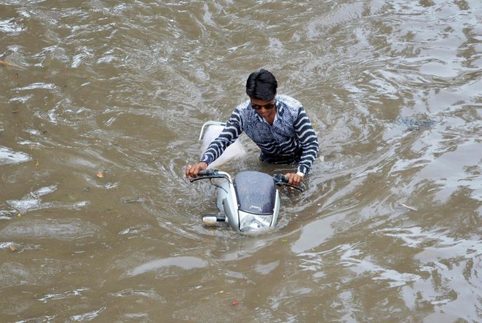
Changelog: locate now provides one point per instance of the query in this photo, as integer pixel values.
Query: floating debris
(129, 200)
(411, 208)
(5, 63)
(415, 123)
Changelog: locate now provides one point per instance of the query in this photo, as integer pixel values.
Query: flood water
(101, 104)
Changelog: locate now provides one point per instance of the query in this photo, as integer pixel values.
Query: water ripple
(108, 98)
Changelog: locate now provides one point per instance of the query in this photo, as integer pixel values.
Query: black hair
(261, 85)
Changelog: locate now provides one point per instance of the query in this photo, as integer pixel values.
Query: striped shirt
(290, 136)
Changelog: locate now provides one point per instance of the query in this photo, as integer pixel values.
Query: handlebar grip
(204, 174)
(207, 172)
(280, 179)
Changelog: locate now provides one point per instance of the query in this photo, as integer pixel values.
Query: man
(278, 124)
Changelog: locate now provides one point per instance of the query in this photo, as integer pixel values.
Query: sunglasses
(268, 106)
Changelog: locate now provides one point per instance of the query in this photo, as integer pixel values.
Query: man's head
(261, 85)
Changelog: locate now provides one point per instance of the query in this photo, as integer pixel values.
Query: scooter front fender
(228, 203)
(276, 209)
(231, 212)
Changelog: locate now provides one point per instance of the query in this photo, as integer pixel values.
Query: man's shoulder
(289, 101)
(243, 105)
(243, 112)
(290, 107)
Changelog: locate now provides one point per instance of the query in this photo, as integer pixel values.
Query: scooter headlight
(249, 222)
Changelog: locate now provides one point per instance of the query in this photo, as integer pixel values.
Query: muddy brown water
(101, 104)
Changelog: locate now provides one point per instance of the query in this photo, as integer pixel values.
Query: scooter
(248, 203)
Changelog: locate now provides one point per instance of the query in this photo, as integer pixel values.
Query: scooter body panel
(251, 202)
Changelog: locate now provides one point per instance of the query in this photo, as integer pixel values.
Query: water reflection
(388, 228)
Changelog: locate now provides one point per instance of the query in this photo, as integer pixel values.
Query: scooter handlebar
(279, 179)
(210, 173)
(282, 180)
(207, 172)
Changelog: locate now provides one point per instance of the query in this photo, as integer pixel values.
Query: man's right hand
(193, 170)
(294, 178)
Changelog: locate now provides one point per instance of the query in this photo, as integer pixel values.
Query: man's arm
(308, 140)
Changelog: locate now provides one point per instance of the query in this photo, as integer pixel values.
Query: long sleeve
(308, 140)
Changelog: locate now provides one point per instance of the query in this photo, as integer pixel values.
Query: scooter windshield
(255, 191)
